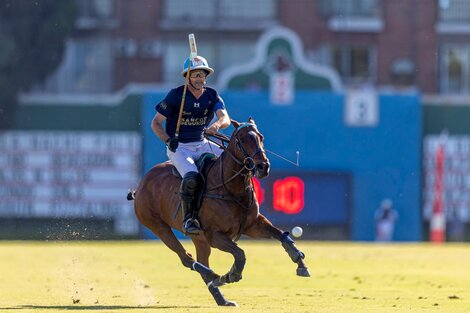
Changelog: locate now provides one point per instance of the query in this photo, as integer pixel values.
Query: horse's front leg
(263, 228)
(223, 242)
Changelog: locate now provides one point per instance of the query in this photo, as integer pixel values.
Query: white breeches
(184, 159)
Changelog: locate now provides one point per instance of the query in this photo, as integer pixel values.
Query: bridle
(247, 171)
(248, 160)
(248, 166)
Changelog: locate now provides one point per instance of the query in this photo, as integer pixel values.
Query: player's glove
(172, 144)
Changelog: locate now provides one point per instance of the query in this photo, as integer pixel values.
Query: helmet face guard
(197, 63)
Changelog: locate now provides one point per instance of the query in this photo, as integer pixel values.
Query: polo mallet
(193, 54)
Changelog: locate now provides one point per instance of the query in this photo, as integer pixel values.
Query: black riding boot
(188, 190)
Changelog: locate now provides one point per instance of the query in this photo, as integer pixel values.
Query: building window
(356, 8)
(96, 14)
(355, 64)
(86, 68)
(100, 9)
(455, 68)
(220, 8)
(454, 11)
(189, 8)
(248, 8)
(219, 54)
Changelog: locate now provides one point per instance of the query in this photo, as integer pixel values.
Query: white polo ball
(297, 231)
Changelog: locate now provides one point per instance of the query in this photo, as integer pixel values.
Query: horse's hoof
(229, 303)
(303, 271)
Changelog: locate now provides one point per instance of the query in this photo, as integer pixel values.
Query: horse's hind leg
(224, 243)
(203, 251)
(262, 228)
(163, 231)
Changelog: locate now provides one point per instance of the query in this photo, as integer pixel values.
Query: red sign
(438, 222)
(259, 191)
(288, 195)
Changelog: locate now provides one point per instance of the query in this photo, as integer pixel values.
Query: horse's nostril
(262, 166)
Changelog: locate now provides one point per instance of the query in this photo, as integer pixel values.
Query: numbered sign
(282, 88)
(288, 195)
(361, 108)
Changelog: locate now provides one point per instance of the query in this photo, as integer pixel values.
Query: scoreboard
(305, 198)
(70, 174)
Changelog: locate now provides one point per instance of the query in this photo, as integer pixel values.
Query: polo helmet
(197, 63)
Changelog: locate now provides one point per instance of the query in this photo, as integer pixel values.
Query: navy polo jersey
(197, 113)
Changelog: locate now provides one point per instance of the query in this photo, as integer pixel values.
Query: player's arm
(157, 127)
(223, 121)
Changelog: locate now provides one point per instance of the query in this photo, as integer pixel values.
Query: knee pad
(190, 183)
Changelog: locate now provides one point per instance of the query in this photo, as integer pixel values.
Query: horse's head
(247, 147)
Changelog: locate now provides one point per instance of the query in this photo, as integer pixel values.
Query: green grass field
(142, 277)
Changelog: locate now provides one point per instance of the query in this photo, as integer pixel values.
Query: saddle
(203, 164)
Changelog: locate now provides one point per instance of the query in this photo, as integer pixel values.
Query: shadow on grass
(94, 307)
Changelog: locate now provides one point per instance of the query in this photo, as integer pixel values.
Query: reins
(222, 171)
(248, 163)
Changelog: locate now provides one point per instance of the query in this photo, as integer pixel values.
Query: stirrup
(191, 227)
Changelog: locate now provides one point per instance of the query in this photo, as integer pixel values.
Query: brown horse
(228, 209)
